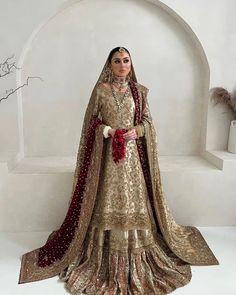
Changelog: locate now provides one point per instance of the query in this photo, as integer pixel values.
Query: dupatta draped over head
(64, 244)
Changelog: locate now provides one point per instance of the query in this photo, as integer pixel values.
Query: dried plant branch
(6, 68)
(221, 95)
(11, 91)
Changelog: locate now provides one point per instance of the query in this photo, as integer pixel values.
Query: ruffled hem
(126, 263)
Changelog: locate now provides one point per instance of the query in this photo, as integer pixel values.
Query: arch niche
(69, 50)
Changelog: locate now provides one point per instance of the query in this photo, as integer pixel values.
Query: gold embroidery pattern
(125, 262)
(30, 271)
(186, 242)
(122, 194)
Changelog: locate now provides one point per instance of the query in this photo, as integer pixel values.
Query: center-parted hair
(114, 50)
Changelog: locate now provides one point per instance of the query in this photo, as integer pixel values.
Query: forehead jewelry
(121, 49)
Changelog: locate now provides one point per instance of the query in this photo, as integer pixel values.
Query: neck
(119, 79)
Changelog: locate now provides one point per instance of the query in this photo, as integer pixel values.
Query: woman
(118, 236)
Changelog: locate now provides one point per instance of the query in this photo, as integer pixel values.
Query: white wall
(213, 23)
(69, 51)
(46, 119)
(18, 20)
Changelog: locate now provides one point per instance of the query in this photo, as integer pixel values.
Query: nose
(122, 64)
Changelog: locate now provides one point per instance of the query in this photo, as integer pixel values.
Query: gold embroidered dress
(118, 236)
(122, 194)
(123, 253)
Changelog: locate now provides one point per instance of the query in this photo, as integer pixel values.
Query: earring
(129, 76)
(112, 76)
(108, 74)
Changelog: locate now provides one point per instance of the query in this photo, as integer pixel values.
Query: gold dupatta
(185, 241)
(64, 244)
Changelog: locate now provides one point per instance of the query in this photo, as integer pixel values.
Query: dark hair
(114, 50)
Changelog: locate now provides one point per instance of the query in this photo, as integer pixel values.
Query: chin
(122, 74)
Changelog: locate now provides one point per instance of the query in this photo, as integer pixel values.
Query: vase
(232, 137)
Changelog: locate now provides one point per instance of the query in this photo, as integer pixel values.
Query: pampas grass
(221, 95)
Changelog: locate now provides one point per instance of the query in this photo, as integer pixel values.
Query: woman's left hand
(130, 135)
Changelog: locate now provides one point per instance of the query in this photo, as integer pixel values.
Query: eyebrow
(121, 58)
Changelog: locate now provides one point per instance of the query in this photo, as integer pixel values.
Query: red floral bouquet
(118, 145)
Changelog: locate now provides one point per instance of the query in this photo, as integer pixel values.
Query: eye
(126, 60)
(116, 61)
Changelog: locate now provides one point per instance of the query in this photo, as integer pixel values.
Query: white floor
(207, 280)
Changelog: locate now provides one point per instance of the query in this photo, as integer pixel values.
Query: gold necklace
(118, 103)
(120, 81)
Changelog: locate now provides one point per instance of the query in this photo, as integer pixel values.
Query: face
(121, 64)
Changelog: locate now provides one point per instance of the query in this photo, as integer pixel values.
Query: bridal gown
(124, 252)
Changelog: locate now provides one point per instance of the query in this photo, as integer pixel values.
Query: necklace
(120, 86)
(119, 103)
(120, 81)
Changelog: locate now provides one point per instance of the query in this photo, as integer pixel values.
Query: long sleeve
(105, 131)
(146, 115)
(140, 130)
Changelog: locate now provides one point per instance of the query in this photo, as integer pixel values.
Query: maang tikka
(121, 49)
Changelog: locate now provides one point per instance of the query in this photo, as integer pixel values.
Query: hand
(111, 132)
(130, 135)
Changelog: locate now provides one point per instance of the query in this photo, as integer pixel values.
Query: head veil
(64, 244)
(106, 75)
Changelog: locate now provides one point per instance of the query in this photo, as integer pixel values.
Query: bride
(118, 236)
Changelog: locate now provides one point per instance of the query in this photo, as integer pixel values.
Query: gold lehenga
(125, 262)
(118, 236)
(123, 253)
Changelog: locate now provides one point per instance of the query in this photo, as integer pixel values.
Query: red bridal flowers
(118, 145)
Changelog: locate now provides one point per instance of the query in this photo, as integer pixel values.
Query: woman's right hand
(111, 132)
